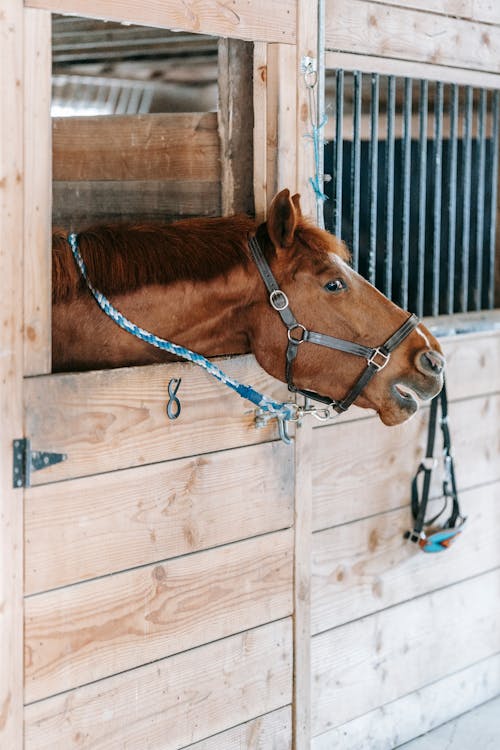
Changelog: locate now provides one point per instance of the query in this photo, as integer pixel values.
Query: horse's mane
(124, 257)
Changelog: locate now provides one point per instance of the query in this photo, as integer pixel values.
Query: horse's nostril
(432, 361)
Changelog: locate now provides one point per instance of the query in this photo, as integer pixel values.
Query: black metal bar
(389, 185)
(338, 153)
(405, 239)
(422, 192)
(481, 169)
(373, 177)
(495, 114)
(356, 167)
(437, 159)
(467, 170)
(452, 197)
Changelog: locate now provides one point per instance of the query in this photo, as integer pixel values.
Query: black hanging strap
(419, 500)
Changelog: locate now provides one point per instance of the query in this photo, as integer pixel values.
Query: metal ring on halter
(275, 294)
(291, 338)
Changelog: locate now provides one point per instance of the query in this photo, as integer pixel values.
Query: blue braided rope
(265, 403)
(317, 180)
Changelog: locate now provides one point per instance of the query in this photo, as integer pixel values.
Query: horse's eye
(335, 285)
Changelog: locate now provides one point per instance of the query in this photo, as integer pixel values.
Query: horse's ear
(296, 203)
(282, 219)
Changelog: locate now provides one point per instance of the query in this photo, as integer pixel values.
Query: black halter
(377, 358)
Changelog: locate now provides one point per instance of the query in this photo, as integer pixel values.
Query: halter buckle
(379, 353)
(275, 297)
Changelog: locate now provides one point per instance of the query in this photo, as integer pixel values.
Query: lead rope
(268, 408)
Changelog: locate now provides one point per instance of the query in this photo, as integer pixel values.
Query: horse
(195, 282)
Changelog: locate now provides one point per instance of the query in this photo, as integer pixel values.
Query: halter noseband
(377, 358)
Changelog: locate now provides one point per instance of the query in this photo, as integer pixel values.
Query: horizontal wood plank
(487, 11)
(408, 69)
(257, 20)
(370, 662)
(84, 633)
(269, 732)
(137, 147)
(79, 204)
(114, 419)
(365, 566)
(387, 31)
(173, 702)
(136, 516)
(376, 476)
(407, 717)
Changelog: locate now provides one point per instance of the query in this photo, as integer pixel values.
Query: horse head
(327, 296)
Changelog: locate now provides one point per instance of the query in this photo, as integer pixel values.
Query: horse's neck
(209, 317)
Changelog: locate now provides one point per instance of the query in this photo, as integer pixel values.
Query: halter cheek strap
(376, 358)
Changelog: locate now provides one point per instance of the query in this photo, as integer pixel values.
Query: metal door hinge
(25, 461)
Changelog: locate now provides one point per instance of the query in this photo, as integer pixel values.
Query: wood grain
(370, 662)
(365, 566)
(173, 702)
(258, 20)
(410, 69)
(270, 732)
(260, 129)
(373, 29)
(137, 147)
(235, 86)
(11, 369)
(84, 633)
(389, 458)
(113, 419)
(473, 10)
(281, 119)
(302, 588)
(37, 192)
(79, 204)
(136, 516)
(413, 714)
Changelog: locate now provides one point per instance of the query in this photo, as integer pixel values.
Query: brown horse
(193, 282)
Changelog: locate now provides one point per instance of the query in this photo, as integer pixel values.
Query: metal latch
(26, 461)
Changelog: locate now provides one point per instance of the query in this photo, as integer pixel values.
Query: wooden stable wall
(174, 572)
(402, 640)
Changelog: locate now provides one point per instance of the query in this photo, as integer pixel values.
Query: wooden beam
(258, 20)
(37, 192)
(260, 143)
(281, 119)
(302, 588)
(11, 370)
(369, 28)
(137, 147)
(307, 47)
(236, 125)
